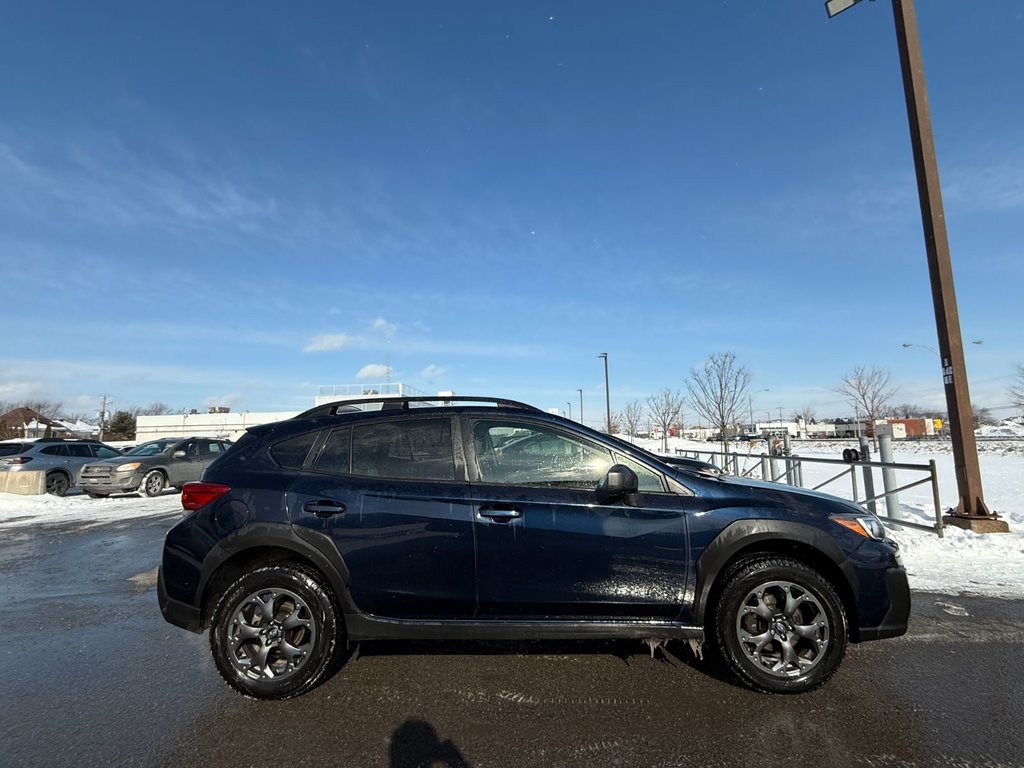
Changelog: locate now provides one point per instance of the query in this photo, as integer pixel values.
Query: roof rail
(403, 403)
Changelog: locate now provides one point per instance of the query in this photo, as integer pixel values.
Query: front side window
(102, 452)
(418, 449)
(512, 453)
(650, 481)
(80, 449)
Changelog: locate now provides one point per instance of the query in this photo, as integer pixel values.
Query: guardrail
(789, 469)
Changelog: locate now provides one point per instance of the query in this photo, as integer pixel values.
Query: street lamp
(581, 404)
(607, 395)
(971, 512)
(570, 409)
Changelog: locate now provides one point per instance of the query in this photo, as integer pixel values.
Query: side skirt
(363, 627)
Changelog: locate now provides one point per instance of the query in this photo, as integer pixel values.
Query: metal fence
(858, 474)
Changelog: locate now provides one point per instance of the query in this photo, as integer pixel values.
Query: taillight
(17, 460)
(196, 495)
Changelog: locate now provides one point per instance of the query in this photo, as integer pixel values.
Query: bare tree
(982, 415)
(630, 417)
(868, 390)
(1017, 390)
(666, 409)
(718, 391)
(155, 409)
(907, 411)
(49, 408)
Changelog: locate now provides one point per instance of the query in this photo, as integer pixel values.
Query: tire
(779, 626)
(57, 483)
(153, 483)
(94, 495)
(276, 631)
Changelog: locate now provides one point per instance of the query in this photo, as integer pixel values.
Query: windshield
(149, 449)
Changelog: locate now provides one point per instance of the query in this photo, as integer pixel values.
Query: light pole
(570, 409)
(971, 512)
(607, 394)
(581, 404)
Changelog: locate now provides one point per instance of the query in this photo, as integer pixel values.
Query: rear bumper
(175, 612)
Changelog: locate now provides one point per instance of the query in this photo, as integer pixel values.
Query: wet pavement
(91, 675)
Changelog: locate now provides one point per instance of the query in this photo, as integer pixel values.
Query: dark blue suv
(479, 518)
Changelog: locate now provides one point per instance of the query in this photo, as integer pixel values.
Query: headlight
(129, 467)
(866, 525)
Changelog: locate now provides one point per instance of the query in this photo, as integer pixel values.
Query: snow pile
(1012, 428)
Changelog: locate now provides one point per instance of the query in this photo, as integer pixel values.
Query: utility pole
(971, 513)
(103, 414)
(581, 404)
(607, 394)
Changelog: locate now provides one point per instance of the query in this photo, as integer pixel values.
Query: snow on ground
(24, 511)
(962, 562)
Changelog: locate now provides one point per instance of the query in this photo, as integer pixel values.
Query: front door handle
(324, 507)
(500, 513)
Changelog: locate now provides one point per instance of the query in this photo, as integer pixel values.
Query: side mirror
(178, 455)
(621, 483)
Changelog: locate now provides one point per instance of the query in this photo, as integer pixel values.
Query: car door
(394, 499)
(187, 468)
(547, 549)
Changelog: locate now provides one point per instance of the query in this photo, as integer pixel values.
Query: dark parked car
(489, 519)
(61, 459)
(150, 467)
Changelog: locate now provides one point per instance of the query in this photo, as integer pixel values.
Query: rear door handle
(324, 507)
(501, 513)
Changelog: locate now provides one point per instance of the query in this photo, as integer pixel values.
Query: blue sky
(232, 203)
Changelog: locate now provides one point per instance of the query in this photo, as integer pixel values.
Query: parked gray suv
(62, 460)
(150, 467)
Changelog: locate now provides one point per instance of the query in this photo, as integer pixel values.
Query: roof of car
(406, 403)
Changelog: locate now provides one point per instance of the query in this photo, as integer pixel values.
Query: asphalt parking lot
(91, 675)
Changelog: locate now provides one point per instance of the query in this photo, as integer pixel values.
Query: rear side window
(55, 450)
(336, 452)
(80, 449)
(291, 453)
(408, 450)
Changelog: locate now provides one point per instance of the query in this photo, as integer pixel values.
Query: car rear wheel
(275, 632)
(779, 626)
(153, 483)
(57, 483)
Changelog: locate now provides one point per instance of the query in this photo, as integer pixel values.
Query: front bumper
(894, 622)
(110, 484)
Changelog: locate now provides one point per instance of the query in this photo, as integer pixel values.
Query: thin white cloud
(373, 371)
(380, 325)
(327, 342)
(432, 372)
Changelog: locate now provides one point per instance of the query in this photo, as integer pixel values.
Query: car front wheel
(275, 632)
(153, 483)
(779, 626)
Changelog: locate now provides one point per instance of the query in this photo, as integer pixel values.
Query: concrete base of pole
(977, 524)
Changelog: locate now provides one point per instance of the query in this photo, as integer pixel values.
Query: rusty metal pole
(971, 512)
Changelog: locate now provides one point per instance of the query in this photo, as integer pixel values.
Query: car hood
(749, 492)
(118, 460)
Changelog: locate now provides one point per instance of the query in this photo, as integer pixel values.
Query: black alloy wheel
(57, 483)
(779, 626)
(275, 633)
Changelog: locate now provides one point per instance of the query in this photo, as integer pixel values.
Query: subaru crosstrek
(480, 518)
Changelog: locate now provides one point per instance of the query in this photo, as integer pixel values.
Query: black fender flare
(314, 546)
(743, 534)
